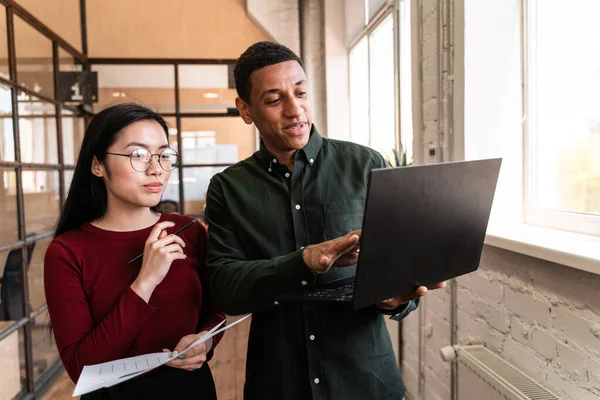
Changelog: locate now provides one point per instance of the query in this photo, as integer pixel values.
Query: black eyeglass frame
(149, 163)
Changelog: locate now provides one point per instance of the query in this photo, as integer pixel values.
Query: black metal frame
(34, 388)
(24, 324)
(159, 61)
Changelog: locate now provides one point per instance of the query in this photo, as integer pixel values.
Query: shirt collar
(310, 151)
(312, 148)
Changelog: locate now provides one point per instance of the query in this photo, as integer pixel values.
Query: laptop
(422, 225)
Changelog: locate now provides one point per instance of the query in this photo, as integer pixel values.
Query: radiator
(483, 375)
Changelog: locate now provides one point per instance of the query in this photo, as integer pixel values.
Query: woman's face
(128, 187)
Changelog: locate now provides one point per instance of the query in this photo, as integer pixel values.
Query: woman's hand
(159, 252)
(195, 357)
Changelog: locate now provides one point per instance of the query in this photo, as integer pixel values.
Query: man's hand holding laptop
(395, 302)
(343, 252)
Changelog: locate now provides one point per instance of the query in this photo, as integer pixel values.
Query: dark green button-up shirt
(260, 216)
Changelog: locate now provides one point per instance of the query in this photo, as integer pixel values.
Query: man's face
(279, 106)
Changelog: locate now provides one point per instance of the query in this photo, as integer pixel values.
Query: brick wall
(543, 317)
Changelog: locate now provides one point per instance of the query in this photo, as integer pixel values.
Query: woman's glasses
(141, 159)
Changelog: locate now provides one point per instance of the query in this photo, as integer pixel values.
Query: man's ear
(97, 168)
(244, 110)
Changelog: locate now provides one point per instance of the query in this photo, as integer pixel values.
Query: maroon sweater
(95, 315)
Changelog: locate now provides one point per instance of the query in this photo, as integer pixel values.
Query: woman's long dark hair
(87, 198)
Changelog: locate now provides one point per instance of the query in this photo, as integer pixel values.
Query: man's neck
(283, 157)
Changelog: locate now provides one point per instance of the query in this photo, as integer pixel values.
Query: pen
(192, 222)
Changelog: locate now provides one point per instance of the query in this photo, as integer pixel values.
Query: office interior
(421, 81)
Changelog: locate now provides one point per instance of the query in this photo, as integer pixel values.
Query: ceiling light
(115, 94)
(210, 95)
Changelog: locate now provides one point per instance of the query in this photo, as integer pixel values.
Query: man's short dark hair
(257, 56)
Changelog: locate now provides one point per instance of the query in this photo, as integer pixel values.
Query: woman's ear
(97, 168)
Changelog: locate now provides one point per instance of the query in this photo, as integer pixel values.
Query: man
(286, 219)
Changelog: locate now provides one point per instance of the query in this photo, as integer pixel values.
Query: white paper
(107, 374)
(104, 375)
(214, 332)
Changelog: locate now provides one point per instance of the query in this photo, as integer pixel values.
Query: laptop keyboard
(339, 293)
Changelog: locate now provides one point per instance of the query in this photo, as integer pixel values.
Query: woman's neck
(124, 218)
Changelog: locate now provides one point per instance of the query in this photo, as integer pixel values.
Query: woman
(101, 306)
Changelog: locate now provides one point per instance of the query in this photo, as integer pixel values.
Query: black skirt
(163, 383)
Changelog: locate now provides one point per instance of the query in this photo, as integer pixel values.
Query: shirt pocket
(342, 217)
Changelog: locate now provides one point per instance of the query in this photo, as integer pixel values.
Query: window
(380, 78)
(31, 158)
(381, 82)
(73, 129)
(151, 85)
(562, 72)
(34, 58)
(372, 98)
(8, 209)
(7, 145)
(37, 128)
(373, 7)
(406, 122)
(206, 88)
(4, 73)
(359, 92)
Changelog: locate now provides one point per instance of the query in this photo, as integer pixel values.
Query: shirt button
(312, 337)
(276, 302)
(287, 174)
(311, 161)
(317, 381)
(304, 283)
(297, 206)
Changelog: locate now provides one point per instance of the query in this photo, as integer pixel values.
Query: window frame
(387, 11)
(582, 223)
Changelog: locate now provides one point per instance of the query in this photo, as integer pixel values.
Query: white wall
(336, 65)
(279, 19)
(354, 19)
